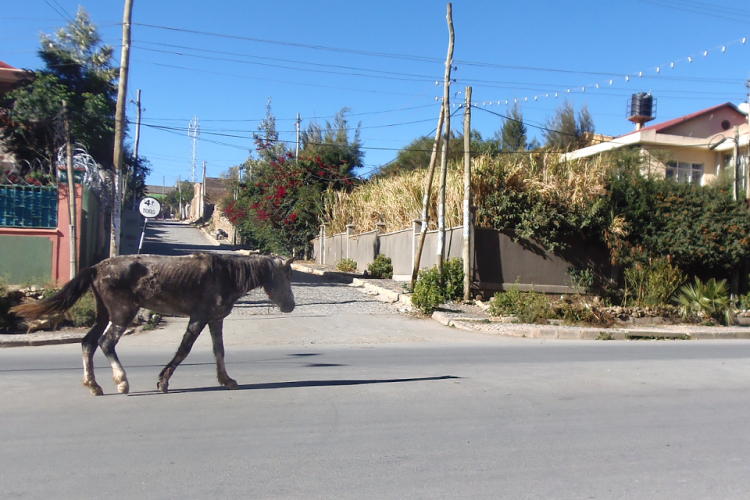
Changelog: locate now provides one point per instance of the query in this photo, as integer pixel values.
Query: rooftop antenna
(194, 132)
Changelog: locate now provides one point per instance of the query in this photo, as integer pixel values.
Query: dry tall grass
(397, 200)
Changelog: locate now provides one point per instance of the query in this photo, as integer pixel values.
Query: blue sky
(221, 61)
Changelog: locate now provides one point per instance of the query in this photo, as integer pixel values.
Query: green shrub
(153, 322)
(428, 293)
(432, 290)
(453, 278)
(381, 267)
(528, 307)
(710, 299)
(652, 284)
(583, 279)
(346, 266)
(83, 312)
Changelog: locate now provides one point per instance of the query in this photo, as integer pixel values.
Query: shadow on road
(297, 384)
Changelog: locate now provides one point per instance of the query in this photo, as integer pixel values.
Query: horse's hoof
(96, 390)
(123, 387)
(231, 384)
(162, 386)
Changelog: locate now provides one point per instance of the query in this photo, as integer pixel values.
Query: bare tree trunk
(426, 198)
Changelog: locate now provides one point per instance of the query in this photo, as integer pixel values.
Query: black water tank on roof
(642, 106)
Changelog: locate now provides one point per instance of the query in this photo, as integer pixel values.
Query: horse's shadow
(297, 384)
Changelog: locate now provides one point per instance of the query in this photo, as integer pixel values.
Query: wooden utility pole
(71, 195)
(426, 198)
(467, 198)
(446, 140)
(135, 145)
(122, 92)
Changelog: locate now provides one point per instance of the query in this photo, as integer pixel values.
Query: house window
(685, 172)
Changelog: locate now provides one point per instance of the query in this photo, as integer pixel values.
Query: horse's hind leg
(89, 344)
(217, 336)
(195, 327)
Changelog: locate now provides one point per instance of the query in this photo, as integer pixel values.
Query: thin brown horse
(203, 287)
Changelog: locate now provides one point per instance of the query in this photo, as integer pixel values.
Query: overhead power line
(293, 44)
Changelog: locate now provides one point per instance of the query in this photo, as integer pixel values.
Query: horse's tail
(62, 300)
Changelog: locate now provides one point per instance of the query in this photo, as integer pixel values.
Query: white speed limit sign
(149, 207)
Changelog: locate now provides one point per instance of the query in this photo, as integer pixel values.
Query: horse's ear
(288, 262)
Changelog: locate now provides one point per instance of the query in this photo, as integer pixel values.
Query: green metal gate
(28, 206)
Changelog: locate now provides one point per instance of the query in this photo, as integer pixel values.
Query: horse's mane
(247, 272)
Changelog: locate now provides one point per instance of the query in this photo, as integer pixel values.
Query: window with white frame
(685, 172)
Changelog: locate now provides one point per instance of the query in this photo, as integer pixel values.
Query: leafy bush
(346, 266)
(381, 267)
(83, 312)
(453, 278)
(528, 307)
(433, 289)
(710, 299)
(583, 279)
(652, 284)
(701, 227)
(428, 293)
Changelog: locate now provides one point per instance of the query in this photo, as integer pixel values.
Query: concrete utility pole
(468, 268)
(71, 195)
(203, 192)
(179, 189)
(296, 150)
(747, 161)
(736, 191)
(122, 92)
(137, 140)
(446, 140)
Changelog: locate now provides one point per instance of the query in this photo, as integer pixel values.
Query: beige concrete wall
(707, 125)
(657, 155)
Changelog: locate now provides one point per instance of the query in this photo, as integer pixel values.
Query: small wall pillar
(349, 234)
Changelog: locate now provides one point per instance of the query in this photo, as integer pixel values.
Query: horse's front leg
(195, 327)
(217, 337)
(108, 342)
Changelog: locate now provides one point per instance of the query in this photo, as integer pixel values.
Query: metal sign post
(149, 208)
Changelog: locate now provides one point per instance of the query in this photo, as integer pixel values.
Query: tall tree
(513, 134)
(78, 69)
(564, 132)
(332, 142)
(416, 154)
(280, 198)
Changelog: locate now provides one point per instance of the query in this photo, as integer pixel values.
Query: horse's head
(279, 286)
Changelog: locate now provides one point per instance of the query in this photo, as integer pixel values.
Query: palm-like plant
(710, 299)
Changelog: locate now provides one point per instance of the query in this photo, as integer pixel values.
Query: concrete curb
(39, 339)
(684, 332)
(380, 293)
(209, 237)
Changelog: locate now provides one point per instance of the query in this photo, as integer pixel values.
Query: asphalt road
(339, 400)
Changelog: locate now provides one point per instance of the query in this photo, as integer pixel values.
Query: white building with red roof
(688, 148)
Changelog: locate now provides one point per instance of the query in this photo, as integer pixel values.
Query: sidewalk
(473, 318)
(460, 316)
